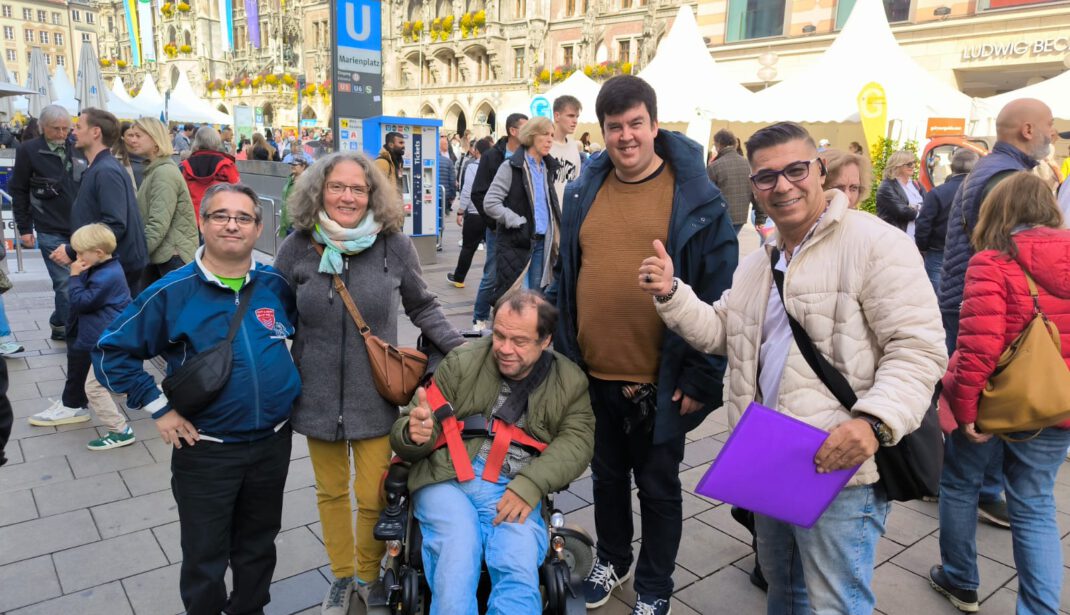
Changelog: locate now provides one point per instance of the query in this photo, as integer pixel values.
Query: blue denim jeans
(828, 568)
(534, 277)
(486, 285)
(992, 487)
(934, 262)
(60, 275)
(5, 326)
(1029, 470)
(458, 533)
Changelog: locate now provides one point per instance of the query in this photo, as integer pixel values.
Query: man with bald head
(1024, 132)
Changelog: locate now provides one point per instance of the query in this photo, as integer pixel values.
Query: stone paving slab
(104, 524)
(108, 560)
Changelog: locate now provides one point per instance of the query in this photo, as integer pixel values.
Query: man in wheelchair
(504, 422)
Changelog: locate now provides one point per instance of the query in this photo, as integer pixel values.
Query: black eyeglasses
(794, 172)
(220, 218)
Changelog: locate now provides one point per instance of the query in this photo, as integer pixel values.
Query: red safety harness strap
(451, 433)
(504, 435)
(451, 437)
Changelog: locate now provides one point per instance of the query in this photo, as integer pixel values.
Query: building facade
(294, 41)
(57, 27)
(982, 47)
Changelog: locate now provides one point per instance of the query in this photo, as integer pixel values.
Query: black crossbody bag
(911, 469)
(200, 380)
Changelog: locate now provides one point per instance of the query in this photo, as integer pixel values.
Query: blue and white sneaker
(601, 582)
(649, 605)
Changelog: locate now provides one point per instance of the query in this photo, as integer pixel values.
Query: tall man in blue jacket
(647, 386)
(230, 460)
(1024, 131)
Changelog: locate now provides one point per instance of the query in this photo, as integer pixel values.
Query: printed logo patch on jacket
(266, 316)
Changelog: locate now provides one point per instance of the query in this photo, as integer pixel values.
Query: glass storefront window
(983, 5)
(749, 19)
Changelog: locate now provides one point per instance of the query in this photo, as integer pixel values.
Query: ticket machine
(420, 191)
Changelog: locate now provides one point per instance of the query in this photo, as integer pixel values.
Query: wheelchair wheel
(578, 552)
(410, 592)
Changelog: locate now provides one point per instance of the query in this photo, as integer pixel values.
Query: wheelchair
(406, 591)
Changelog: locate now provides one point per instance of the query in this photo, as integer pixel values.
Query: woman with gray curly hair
(345, 206)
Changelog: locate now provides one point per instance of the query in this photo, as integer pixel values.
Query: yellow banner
(873, 112)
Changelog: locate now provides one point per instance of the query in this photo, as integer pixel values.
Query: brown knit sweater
(619, 331)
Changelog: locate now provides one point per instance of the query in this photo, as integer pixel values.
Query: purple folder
(767, 466)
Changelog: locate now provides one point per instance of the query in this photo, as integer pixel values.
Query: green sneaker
(112, 440)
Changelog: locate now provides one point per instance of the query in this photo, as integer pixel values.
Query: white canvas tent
(185, 106)
(583, 88)
(149, 97)
(1055, 92)
(119, 90)
(64, 90)
(689, 83)
(864, 51)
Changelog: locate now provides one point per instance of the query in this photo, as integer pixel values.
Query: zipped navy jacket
(97, 296)
(704, 251)
(188, 311)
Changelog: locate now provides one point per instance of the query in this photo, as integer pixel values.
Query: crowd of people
(620, 316)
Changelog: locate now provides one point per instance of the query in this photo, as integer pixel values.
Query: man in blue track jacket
(230, 460)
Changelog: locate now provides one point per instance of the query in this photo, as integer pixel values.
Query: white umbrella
(89, 88)
(6, 109)
(39, 82)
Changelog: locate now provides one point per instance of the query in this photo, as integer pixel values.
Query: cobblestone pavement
(97, 533)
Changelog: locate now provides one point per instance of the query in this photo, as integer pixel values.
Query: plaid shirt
(731, 173)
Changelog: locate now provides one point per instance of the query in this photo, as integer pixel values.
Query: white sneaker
(479, 325)
(482, 247)
(58, 414)
(9, 348)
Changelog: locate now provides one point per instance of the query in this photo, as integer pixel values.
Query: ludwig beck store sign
(1058, 45)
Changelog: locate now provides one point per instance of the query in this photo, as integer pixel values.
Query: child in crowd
(98, 293)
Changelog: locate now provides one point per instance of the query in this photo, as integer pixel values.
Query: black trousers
(229, 500)
(78, 365)
(7, 417)
(133, 280)
(617, 456)
(152, 272)
(472, 232)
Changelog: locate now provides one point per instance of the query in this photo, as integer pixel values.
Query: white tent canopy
(186, 106)
(148, 97)
(1055, 92)
(864, 51)
(583, 88)
(64, 90)
(689, 83)
(119, 90)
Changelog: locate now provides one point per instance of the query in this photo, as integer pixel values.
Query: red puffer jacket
(996, 308)
(204, 169)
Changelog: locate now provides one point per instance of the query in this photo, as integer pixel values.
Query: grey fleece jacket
(338, 398)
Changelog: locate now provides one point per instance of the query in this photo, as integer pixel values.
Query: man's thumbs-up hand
(656, 273)
(420, 424)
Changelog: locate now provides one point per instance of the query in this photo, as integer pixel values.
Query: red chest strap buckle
(451, 433)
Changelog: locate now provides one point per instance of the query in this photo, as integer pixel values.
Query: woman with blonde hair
(900, 196)
(523, 202)
(347, 218)
(163, 198)
(261, 149)
(1018, 236)
(849, 173)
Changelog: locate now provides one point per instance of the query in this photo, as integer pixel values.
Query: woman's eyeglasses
(338, 189)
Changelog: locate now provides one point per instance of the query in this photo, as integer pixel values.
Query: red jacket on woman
(997, 306)
(204, 169)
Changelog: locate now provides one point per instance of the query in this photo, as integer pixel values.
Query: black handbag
(200, 380)
(911, 469)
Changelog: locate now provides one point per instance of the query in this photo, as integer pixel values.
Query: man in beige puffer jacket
(859, 289)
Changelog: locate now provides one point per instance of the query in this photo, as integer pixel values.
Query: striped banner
(145, 21)
(132, 29)
(226, 24)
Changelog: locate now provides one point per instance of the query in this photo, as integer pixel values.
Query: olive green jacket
(167, 212)
(559, 414)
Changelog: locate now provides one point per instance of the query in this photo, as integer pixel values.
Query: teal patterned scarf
(338, 240)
